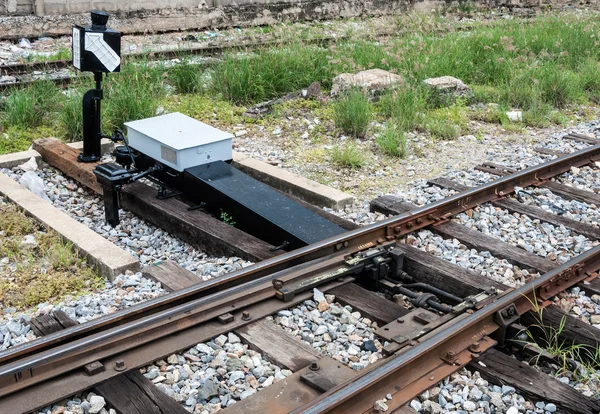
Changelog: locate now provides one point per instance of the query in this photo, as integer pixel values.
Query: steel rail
(379, 232)
(343, 398)
(42, 366)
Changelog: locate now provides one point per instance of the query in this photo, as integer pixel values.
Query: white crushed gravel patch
(204, 379)
(335, 330)
(466, 392)
(550, 202)
(576, 302)
(585, 178)
(214, 374)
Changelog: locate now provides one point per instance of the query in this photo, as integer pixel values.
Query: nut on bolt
(475, 347)
(277, 284)
(314, 366)
(120, 365)
(397, 229)
(245, 315)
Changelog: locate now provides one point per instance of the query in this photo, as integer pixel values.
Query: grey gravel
(333, 329)
(125, 291)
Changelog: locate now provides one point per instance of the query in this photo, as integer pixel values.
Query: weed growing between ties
(36, 265)
(576, 360)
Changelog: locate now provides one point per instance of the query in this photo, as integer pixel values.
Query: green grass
(404, 106)
(16, 138)
(582, 360)
(541, 66)
(29, 107)
(186, 77)
(70, 118)
(46, 272)
(352, 113)
(347, 156)
(392, 141)
(269, 73)
(447, 123)
(132, 94)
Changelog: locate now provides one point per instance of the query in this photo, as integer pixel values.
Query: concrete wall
(56, 17)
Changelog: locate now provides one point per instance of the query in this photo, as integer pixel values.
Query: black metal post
(92, 123)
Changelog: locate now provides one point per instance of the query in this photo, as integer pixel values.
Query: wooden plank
(171, 276)
(132, 393)
(390, 205)
(277, 345)
(501, 369)
(446, 183)
(586, 139)
(531, 211)
(54, 321)
(500, 167)
(537, 213)
(60, 155)
(473, 239)
(591, 288)
(197, 228)
(548, 151)
(427, 268)
(368, 303)
(291, 393)
(572, 193)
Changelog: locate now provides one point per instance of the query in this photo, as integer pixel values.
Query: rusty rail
(358, 395)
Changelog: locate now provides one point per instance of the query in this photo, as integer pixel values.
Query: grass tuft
(269, 73)
(186, 77)
(29, 107)
(70, 117)
(348, 156)
(392, 141)
(352, 113)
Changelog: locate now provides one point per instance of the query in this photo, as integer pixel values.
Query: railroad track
(458, 314)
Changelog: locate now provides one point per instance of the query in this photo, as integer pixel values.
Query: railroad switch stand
(96, 49)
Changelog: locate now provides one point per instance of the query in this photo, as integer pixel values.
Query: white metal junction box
(179, 141)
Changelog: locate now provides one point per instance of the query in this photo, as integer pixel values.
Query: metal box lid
(178, 131)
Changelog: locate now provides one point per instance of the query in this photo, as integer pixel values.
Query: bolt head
(120, 365)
